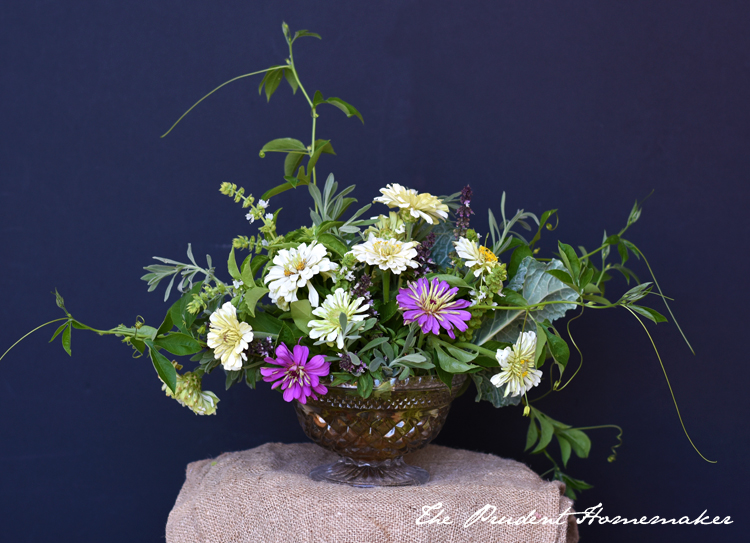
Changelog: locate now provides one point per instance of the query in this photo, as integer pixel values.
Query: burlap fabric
(264, 495)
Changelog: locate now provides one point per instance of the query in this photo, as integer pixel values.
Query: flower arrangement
(409, 288)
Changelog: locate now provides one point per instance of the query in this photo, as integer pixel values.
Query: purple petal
(413, 314)
(300, 354)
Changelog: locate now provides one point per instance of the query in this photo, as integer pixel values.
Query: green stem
(217, 88)
(34, 330)
(674, 400)
(386, 285)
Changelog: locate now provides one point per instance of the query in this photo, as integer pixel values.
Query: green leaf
(178, 344)
(347, 108)
(623, 250)
(257, 262)
(166, 325)
(264, 322)
(445, 377)
(548, 431)
(374, 343)
(521, 252)
(532, 434)
(291, 163)
(333, 244)
(570, 259)
(316, 155)
(271, 81)
(283, 145)
(252, 297)
(511, 297)
(364, 385)
(651, 314)
(246, 272)
(163, 366)
(459, 354)
(586, 277)
(541, 342)
(563, 276)
(234, 271)
(558, 347)
(289, 75)
(612, 240)
(580, 441)
(179, 314)
(452, 280)
(282, 188)
(413, 361)
(534, 283)
(66, 339)
(637, 292)
(387, 311)
(232, 377)
(59, 330)
(564, 449)
(450, 364)
(302, 314)
(303, 33)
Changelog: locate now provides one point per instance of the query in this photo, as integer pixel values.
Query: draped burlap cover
(264, 495)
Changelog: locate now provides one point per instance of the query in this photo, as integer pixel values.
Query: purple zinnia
(297, 376)
(431, 304)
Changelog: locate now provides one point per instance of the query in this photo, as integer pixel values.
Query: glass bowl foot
(391, 472)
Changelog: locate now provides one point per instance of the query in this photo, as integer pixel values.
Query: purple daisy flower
(297, 376)
(431, 304)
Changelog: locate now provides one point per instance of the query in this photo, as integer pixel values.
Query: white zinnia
(293, 269)
(387, 254)
(478, 258)
(424, 206)
(517, 365)
(229, 337)
(329, 328)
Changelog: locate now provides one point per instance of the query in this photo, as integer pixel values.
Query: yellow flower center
(295, 266)
(385, 248)
(488, 255)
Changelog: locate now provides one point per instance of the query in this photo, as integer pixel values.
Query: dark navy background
(581, 106)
